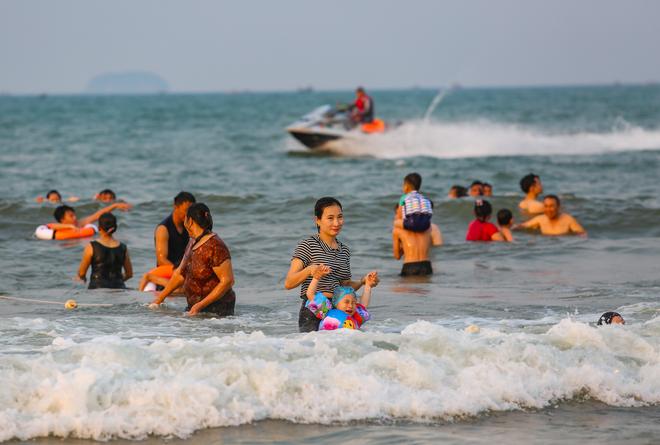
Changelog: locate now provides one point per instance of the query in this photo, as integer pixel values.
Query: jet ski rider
(363, 108)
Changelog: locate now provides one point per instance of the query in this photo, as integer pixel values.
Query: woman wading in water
(322, 249)
(205, 271)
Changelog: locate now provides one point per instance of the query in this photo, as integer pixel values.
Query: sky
(57, 47)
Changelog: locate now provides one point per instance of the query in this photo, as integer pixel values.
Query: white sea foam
(484, 138)
(130, 388)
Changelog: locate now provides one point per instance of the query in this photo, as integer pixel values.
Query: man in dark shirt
(171, 237)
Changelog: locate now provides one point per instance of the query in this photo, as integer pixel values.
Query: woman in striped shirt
(322, 249)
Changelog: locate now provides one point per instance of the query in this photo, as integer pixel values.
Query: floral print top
(197, 270)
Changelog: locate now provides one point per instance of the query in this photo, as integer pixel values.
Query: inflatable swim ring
(47, 233)
(160, 271)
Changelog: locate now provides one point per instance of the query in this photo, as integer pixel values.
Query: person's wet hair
(201, 214)
(504, 217)
(61, 211)
(485, 184)
(476, 183)
(555, 197)
(608, 316)
(184, 197)
(108, 223)
(414, 180)
(460, 191)
(527, 182)
(359, 90)
(482, 209)
(321, 205)
(53, 192)
(108, 192)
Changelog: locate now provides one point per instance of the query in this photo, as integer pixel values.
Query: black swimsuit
(107, 263)
(176, 243)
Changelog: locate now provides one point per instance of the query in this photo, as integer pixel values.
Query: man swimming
(415, 247)
(531, 185)
(66, 216)
(553, 222)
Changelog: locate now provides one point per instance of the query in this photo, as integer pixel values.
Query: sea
(538, 370)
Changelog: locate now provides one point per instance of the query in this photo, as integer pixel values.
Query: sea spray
(129, 388)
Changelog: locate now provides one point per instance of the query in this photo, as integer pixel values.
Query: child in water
(505, 221)
(480, 229)
(344, 311)
(107, 256)
(416, 210)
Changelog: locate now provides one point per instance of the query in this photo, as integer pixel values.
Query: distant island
(135, 82)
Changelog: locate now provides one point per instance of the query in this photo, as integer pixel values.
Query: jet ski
(326, 124)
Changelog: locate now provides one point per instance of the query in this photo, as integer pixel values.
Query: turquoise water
(128, 372)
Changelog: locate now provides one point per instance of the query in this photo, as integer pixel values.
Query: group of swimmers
(413, 236)
(414, 244)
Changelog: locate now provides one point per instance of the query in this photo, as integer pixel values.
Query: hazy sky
(196, 46)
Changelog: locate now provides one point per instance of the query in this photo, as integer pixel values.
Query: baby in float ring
(343, 311)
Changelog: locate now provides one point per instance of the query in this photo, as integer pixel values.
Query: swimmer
(531, 185)
(480, 229)
(476, 188)
(457, 191)
(553, 222)
(611, 317)
(415, 246)
(106, 195)
(505, 221)
(488, 189)
(54, 196)
(107, 256)
(66, 216)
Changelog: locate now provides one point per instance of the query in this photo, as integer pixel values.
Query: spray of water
(434, 103)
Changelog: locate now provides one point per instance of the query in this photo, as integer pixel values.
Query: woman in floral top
(205, 271)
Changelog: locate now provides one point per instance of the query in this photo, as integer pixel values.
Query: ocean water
(538, 368)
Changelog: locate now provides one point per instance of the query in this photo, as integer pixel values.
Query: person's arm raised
(95, 217)
(226, 275)
(84, 264)
(436, 235)
(162, 249)
(396, 244)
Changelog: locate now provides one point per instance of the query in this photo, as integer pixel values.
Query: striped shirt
(314, 250)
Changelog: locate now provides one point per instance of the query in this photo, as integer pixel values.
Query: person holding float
(107, 256)
(205, 272)
(317, 251)
(69, 226)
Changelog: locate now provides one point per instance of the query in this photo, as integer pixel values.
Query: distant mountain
(135, 82)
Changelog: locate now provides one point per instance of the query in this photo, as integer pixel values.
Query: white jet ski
(326, 124)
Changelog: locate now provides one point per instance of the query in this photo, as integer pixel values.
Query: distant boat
(42, 96)
(307, 89)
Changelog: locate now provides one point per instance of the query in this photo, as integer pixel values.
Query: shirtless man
(66, 216)
(553, 222)
(531, 185)
(171, 237)
(415, 246)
